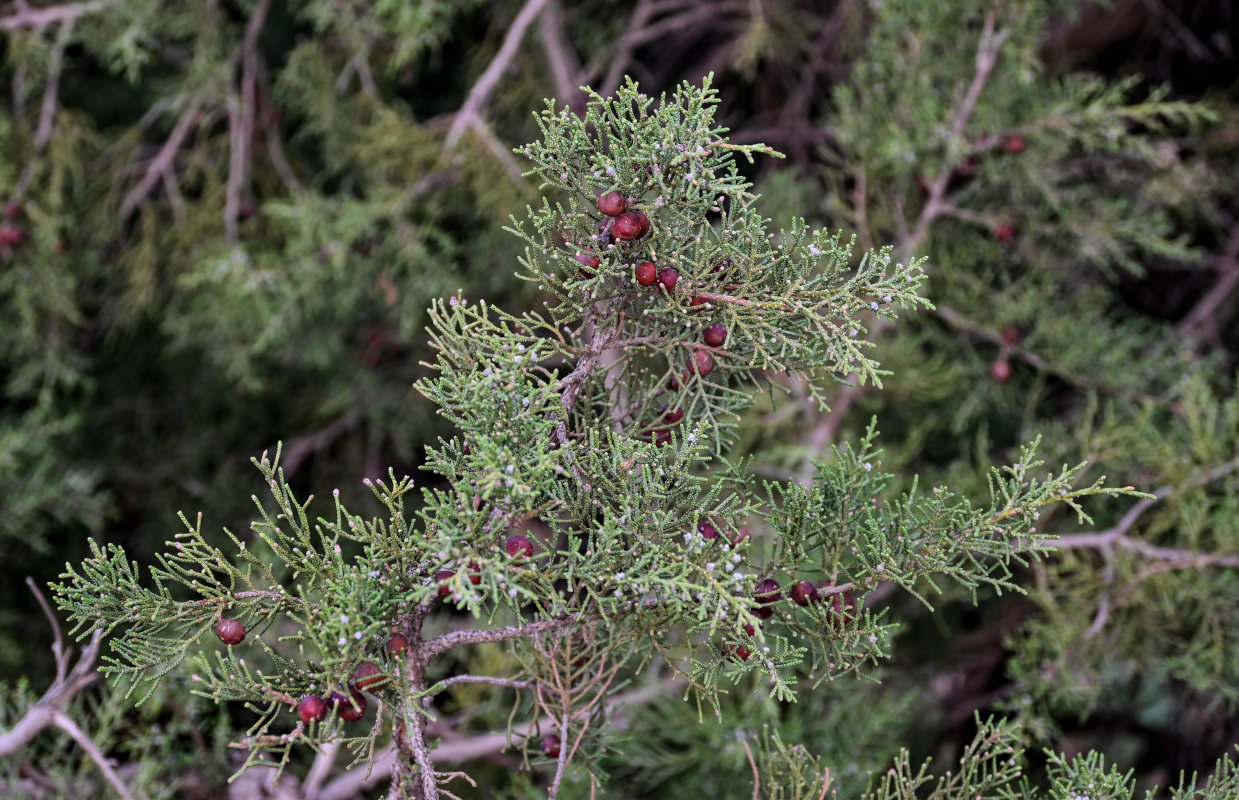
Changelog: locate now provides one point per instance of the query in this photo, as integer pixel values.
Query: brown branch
(241, 122)
(47, 112)
(470, 112)
(1112, 536)
(271, 131)
(299, 449)
(441, 644)
(42, 17)
(991, 41)
(1223, 289)
(48, 710)
(987, 57)
(628, 44)
(565, 67)
(421, 756)
(61, 720)
(319, 770)
(511, 684)
(748, 751)
(161, 162)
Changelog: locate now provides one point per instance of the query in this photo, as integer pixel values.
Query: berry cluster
(349, 703)
(626, 225)
(768, 593)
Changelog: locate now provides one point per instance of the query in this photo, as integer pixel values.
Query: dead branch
(37, 18)
(241, 122)
(162, 161)
(48, 710)
(469, 114)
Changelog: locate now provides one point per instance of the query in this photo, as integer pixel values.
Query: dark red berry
(749, 629)
(350, 708)
(672, 415)
(230, 631)
(697, 300)
(368, 675)
(442, 576)
(612, 204)
(466, 450)
(803, 593)
(1014, 143)
(12, 210)
(767, 592)
(762, 612)
(701, 362)
(312, 708)
(735, 652)
(1011, 335)
(627, 226)
(720, 268)
(1000, 370)
(589, 264)
(1004, 231)
(740, 536)
(661, 436)
(551, 745)
(475, 573)
(646, 273)
(644, 221)
(842, 605)
(707, 531)
(11, 235)
(519, 546)
(667, 277)
(715, 335)
(397, 645)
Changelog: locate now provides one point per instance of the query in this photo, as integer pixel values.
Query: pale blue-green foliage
(795, 302)
(555, 414)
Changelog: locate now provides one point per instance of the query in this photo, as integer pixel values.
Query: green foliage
(231, 235)
(622, 519)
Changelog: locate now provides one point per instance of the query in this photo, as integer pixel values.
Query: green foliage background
(155, 334)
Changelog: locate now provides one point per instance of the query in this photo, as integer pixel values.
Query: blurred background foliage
(224, 221)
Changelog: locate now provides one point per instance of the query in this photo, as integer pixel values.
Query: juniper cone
(312, 708)
(230, 631)
(646, 273)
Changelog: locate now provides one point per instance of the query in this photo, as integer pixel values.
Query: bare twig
(48, 710)
(319, 770)
(42, 17)
(1227, 282)
(47, 112)
(748, 751)
(62, 721)
(421, 756)
(271, 131)
(565, 67)
(241, 122)
(470, 113)
(988, 47)
(441, 644)
(1113, 536)
(628, 43)
(161, 162)
(511, 684)
(299, 449)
